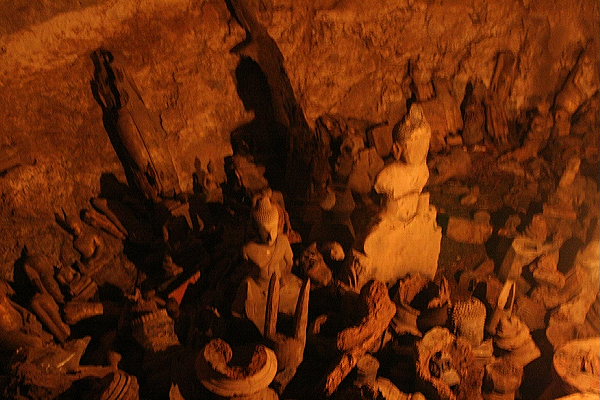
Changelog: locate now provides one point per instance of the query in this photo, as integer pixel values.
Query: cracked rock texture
(351, 57)
(347, 56)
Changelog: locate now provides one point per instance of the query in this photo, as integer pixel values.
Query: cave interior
(268, 199)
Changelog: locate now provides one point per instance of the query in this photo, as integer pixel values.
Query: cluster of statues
(214, 293)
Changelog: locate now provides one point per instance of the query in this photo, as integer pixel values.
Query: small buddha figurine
(271, 254)
(20, 330)
(422, 79)
(568, 196)
(474, 113)
(44, 303)
(581, 84)
(537, 137)
(18, 327)
(335, 223)
(89, 245)
(468, 319)
(526, 248)
(205, 182)
(358, 164)
(563, 209)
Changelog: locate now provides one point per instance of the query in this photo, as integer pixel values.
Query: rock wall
(347, 56)
(351, 57)
(177, 51)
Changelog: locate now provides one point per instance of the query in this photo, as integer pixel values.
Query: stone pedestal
(397, 248)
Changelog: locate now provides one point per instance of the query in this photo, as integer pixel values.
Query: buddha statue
(581, 84)
(407, 238)
(19, 328)
(269, 254)
(21, 332)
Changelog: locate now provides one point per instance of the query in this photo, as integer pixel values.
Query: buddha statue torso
(268, 259)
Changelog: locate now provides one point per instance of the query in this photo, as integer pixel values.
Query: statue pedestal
(397, 248)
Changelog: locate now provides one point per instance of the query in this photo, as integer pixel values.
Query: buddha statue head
(267, 218)
(351, 146)
(411, 139)
(537, 230)
(542, 119)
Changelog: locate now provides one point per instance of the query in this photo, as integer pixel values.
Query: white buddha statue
(407, 237)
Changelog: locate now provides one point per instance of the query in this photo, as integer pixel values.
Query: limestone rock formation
(179, 65)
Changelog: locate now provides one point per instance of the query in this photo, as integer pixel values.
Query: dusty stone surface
(177, 52)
